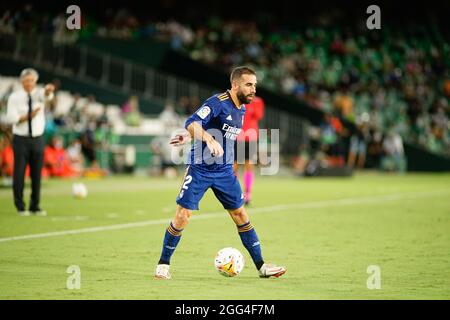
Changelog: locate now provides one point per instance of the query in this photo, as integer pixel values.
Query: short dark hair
(239, 71)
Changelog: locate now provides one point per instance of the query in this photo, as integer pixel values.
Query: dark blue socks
(251, 243)
(171, 239)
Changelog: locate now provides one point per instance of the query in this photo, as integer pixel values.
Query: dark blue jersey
(221, 118)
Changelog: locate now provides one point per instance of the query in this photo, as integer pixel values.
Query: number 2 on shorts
(186, 182)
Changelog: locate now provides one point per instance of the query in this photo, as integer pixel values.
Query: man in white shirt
(26, 113)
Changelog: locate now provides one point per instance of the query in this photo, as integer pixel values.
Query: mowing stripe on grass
(282, 207)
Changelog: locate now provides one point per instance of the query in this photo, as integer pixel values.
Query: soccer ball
(229, 262)
(79, 190)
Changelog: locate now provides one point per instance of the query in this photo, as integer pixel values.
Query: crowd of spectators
(331, 145)
(390, 81)
(76, 127)
(79, 127)
(397, 83)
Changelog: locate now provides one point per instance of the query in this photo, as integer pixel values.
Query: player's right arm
(197, 121)
(197, 132)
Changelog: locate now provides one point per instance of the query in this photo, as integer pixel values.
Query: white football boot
(162, 271)
(271, 270)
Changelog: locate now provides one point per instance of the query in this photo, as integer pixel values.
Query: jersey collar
(234, 102)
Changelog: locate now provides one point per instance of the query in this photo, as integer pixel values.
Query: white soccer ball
(79, 190)
(229, 262)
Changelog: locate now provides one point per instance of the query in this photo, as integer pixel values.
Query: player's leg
(229, 193)
(247, 234)
(172, 237)
(192, 189)
(173, 233)
(251, 242)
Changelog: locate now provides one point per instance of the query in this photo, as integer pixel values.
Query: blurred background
(344, 97)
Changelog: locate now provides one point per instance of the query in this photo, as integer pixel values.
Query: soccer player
(214, 128)
(247, 141)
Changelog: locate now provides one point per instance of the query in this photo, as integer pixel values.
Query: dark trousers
(27, 151)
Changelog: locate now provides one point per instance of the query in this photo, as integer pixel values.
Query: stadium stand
(395, 81)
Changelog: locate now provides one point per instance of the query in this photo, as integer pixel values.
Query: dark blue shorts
(225, 186)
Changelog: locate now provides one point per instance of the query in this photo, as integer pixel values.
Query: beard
(244, 99)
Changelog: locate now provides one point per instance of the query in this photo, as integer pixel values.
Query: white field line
(253, 211)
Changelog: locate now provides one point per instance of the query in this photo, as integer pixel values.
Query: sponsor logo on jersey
(230, 132)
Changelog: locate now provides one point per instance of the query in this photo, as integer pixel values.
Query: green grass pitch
(326, 231)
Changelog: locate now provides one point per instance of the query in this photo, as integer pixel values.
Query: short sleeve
(204, 114)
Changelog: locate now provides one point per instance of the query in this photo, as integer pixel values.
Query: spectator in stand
(131, 113)
(88, 144)
(447, 88)
(344, 104)
(184, 106)
(194, 104)
(300, 161)
(76, 156)
(89, 150)
(169, 118)
(162, 163)
(7, 161)
(374, 149)
(394, 155)
(332, 131)
(6, 157)
(61, 34)
(387, 73)
(104, 134)
(56, 159)
(358, 143)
